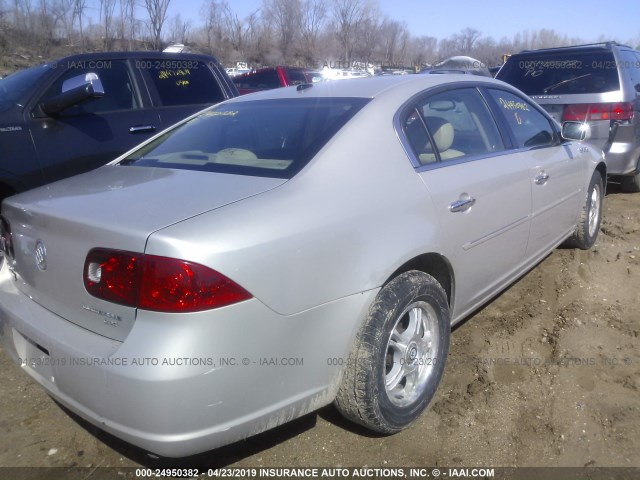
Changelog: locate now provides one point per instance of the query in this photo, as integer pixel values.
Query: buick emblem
(41, 256)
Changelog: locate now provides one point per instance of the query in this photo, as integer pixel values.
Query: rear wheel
(588, 226)
(399, 355)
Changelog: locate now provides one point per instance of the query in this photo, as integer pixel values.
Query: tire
(631, 184)
(399, 355)
(588, 226)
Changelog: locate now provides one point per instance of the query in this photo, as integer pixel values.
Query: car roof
(585, 47)
(369, 87)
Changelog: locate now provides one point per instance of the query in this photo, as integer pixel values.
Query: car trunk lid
(54, 227)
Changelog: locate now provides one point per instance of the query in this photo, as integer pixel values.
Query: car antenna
(303, 86)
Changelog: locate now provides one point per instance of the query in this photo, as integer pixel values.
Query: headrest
(442, 132)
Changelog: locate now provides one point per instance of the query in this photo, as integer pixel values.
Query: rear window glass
(562, 73)
(268, 138)
(186, 82)
(263, 80)
(296, 77)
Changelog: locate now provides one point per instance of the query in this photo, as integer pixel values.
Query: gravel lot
(546, 375)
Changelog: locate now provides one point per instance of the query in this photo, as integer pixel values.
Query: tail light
(585, 112)
(156, 283)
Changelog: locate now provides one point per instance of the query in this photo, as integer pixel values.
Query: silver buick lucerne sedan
(285, 250)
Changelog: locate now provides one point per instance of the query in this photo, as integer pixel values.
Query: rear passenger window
(458, 123)
(530, 127)
(191, 83)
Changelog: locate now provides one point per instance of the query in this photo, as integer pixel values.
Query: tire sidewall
(596, 182)
(393, 300)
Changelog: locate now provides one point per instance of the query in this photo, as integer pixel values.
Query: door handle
(462, 205)
(142, 128)
(542, 178)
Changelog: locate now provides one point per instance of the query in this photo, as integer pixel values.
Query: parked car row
(328, 234)
(275, 77)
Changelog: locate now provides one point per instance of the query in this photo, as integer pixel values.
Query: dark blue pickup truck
(78, 113)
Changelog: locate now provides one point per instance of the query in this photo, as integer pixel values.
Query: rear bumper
(183, 384)
(622, 154)
(622, 159)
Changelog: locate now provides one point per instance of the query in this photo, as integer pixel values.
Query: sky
(587, 19)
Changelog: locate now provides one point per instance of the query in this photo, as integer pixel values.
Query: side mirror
(75, 90)
(576, 131)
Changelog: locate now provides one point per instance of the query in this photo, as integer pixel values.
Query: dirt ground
(548, 374)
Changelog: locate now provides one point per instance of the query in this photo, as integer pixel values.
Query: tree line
(313, 33)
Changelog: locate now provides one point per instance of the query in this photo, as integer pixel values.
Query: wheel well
(602, 168)
(435, 265)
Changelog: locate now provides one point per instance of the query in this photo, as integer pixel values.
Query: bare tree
(79, 6)
(367, 38)
(284, 16)
(180, 30)
(467, 38)
(40, 26)
(256, 40)
(22, 12)
(157, 11)
(312, 19)
(212, 12)
(423, 51)
(107, 8)
(348, 16)
(63, 10)
(281, 30)
(127, 23)
(394, 39)
(234, 28)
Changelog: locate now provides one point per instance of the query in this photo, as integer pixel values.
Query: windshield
(562, 73)
(14, 86)
(267, 138)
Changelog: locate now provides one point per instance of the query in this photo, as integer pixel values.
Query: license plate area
(34, 358)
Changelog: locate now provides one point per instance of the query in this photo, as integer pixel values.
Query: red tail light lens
(170, 285)
(156, 283)
(113, 275)
(585, 112)
(622, 111)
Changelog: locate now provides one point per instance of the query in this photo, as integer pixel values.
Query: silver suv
(598, 84)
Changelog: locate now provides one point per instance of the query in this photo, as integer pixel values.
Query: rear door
(556, 174)
(95, 131)
(481, 191)
(181, 87)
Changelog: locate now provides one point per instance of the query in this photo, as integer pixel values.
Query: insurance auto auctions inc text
(363, 472)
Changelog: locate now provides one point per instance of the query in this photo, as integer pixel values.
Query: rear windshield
(562, 73)
(266, 138)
